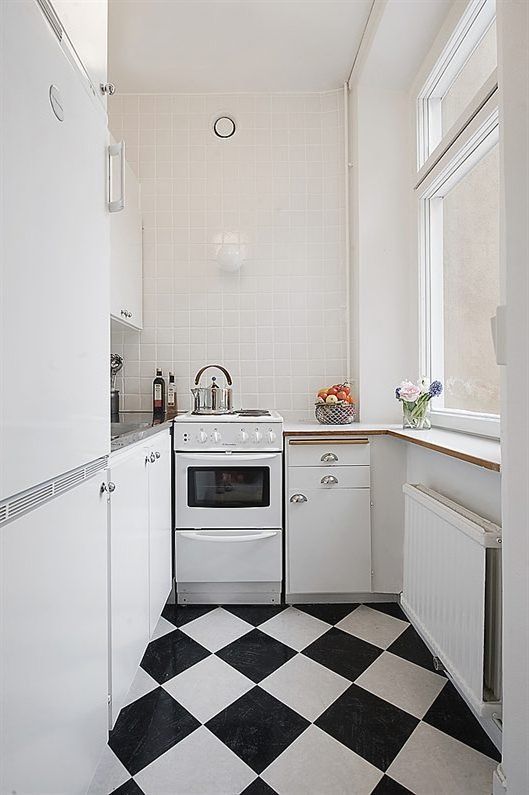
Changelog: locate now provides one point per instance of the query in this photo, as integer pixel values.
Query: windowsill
(477, 450)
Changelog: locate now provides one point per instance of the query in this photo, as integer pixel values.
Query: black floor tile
(389, 608)
(369, 726)
(331, 613)
(148, 727)
(171, 654)
(344, 654)
(388, 786)
(410, 646)
(255, 614)
(183, 614)
(128, 788)
(450, 714)
(256, 654)
(259, 787)
(257, 727)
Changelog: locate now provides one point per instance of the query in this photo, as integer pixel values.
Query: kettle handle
(219, 367)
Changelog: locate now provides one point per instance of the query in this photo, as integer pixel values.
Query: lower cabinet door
(129, 571)
(160, 566)
(54, 643)
(329, 542)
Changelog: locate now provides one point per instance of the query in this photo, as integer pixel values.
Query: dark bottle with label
(158, 399)
(172, 408)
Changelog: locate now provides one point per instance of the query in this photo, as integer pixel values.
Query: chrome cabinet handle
(152, 458)
(157, 454)
(109, 487)
(116, 150)
(328, 457)
(298, 498)
(125, 313)
(329, 480)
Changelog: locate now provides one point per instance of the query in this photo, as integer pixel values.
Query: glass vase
(415, 416)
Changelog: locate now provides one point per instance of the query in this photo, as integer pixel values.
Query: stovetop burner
(253, 413)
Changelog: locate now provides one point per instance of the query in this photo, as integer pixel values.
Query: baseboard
(345, 598)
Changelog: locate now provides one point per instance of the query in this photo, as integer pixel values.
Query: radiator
(452, 592)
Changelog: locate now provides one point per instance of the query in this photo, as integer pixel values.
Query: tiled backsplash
(276, 191)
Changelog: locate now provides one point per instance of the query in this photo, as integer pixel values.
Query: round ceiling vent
(224, 127)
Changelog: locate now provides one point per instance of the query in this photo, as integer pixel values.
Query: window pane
(467, 83)
(471, 288)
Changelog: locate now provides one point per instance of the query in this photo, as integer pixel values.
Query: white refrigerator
(54, 409)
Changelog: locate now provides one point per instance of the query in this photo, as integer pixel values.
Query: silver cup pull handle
(298, 498)
(329, 480)
(327, 458)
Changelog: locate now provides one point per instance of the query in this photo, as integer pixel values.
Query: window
(464, 67)
(458, 197)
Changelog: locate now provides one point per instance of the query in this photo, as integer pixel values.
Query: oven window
(228, 487)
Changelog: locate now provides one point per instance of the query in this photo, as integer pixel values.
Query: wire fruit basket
(340, 413)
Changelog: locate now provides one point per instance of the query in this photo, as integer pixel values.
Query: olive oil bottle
(172, 407)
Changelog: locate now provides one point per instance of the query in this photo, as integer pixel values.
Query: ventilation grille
(49, 12)
(32, 498)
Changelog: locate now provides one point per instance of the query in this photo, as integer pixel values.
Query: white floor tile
(207, 687)
(110, 774)
(198, 765)
(295, 628)
(373, 626)
(163, 627)
(141, 684)
(435, 763)
(305, 685)
(317, 764)
(408, 686)
(216, 629)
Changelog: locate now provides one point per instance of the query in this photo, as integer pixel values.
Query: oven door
(228, 490)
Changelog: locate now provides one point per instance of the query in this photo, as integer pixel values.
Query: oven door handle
(232, 539)
(226, 457)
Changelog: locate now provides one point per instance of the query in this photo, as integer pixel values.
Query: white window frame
(472, 136)
(472, 27)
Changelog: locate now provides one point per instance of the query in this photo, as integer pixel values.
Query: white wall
(513, 62)
(386, 289)
(277, 189)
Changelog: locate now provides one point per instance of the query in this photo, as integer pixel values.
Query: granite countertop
(134, 427)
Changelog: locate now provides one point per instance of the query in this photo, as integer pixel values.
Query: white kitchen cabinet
(139, 483)
(129, 569)
(328, 519)
(54, 642)
(126, 268)
(160, 565)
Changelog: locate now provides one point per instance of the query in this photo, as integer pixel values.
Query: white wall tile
(275, 188)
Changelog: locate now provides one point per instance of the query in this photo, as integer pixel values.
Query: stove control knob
(272, 435)
(244, 436)
(202, 437)
(258, 435)
(216, 436)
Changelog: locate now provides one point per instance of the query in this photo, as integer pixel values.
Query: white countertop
(473, 449)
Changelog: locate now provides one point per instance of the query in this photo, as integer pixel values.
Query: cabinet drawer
(325, 453)
(352, 477)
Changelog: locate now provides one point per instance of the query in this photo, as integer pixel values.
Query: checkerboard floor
(324, 699)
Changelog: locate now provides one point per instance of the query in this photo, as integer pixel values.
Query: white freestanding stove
(229, 507)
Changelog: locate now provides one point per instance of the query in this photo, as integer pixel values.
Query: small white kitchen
(263, 414)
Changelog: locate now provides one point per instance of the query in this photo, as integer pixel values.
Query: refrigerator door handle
(116, 150)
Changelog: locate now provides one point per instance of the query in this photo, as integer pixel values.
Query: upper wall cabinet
(86, 25)
(126, 269)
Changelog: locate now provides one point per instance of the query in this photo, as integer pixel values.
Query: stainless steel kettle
(212, 399)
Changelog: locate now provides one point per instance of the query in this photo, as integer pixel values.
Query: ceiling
(166, 46)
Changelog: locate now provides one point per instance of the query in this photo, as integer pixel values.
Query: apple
(331, 399)
(341, 395)
(332, 391)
